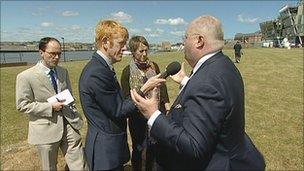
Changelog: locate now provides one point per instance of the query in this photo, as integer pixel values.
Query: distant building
(166, 46)
(289, 24)
(251, 38)
(177, 47)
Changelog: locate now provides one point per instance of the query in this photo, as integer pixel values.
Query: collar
(45, 69)
(203, 60)
(108, 61)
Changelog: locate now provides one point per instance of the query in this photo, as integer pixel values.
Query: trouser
(237, 58)
(143, 159)
(71, 147)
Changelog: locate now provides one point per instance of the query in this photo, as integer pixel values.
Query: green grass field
(274, 101)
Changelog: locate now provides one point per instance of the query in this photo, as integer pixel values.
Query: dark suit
(205, 128)
(102, 101)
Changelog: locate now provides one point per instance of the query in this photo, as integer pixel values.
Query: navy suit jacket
(103, 105)
(205, 127)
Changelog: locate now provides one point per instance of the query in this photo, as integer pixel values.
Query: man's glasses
(53, 54)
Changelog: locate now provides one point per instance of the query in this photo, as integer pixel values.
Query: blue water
(33, 57)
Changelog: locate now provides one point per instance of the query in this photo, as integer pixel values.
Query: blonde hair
(108, 28)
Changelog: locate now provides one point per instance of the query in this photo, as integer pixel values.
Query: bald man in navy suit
(205, 128)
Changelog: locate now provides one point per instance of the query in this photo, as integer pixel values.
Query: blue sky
(156, 20)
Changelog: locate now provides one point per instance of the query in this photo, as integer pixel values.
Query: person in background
(102, 100)
(134, 76)
(51, 125)
(205, 128)
(237, 52)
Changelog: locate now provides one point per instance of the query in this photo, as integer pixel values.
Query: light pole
(63, 48)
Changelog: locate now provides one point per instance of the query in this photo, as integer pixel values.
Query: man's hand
(57, 106)
(151, 83)
(146, 106)
(178, 77)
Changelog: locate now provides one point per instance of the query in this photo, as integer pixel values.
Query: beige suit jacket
(33, 88)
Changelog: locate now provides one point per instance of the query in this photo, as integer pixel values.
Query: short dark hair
(44, 41)
(135, 41)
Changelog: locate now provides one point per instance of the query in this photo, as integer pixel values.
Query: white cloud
(242, 19)
(161, 21)
(22, 34)
(46, 24)
(171, 21)
(153, 35)
(148, 29)
(41, 11)
(158, 30)
(122, 17)
(75, 27)
(178, 33)
(71, 33)
(69, 13)
(134, 31)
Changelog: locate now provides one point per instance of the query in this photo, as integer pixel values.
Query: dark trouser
(143, 159)
(237, 57)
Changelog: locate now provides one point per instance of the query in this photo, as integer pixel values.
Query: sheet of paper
(64, 95)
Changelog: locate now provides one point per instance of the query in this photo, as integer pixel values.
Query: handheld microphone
(171, 69)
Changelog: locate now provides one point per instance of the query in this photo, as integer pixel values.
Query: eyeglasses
(186, 36)
(53, 54)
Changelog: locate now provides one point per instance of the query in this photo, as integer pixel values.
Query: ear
(105, 42)
(41, 52)
(200, 41)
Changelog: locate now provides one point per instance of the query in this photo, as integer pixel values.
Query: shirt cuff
(184, 81)
(153, 118)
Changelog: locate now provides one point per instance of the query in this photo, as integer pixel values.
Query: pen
(59, 100)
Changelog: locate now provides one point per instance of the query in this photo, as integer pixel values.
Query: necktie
(54, 83)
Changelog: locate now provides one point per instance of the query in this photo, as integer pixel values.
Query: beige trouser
(71, 147)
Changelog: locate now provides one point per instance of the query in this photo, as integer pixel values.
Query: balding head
(211, 29)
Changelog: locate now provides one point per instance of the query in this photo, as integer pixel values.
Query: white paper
(64, 95)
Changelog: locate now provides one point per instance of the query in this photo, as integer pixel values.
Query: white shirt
(183, 83)
(47, 72)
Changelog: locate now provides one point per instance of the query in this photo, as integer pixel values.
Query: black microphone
(171, 69)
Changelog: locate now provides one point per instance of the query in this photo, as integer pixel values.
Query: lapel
(207, 62)
(61, 78)
(177, 100)
(42, 77)
(101, 60)
(112, 73)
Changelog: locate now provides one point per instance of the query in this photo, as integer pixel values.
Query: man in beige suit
(51, 125)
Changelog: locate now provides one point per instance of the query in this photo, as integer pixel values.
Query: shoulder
(125, 73)
(61, 69)
(28, 72)
(126, 68)
(154, 66)
(96, 71)
(94, 66)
